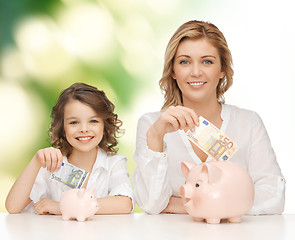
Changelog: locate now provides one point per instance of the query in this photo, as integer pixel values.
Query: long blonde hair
(195, 30)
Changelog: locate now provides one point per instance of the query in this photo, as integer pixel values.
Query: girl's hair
(98, 101)
(195, 30)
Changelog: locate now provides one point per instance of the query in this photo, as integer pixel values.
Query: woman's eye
(184, 62)
(207, 62)
(73, 122)
(94, 121)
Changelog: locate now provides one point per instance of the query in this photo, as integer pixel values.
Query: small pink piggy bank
(216, 190)
(79, 204)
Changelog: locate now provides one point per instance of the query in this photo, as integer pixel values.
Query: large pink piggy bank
(216, 190)
(79, 204)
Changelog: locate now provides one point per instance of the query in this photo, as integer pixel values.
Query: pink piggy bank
(216, 190)
(79, 204)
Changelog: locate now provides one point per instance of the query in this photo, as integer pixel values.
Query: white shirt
(158, 175)
(109, 177)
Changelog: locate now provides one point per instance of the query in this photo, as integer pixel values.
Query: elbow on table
(126, 205)
(12, 209)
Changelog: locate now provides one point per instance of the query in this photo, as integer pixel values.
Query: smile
(196, 83)
(84, 138)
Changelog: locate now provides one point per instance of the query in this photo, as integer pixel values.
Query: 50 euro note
(212, 141)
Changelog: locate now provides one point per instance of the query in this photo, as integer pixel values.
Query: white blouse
(158, 175)
(109, 177)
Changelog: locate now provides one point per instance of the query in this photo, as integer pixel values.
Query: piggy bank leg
(235, 219)
(198, 219)
(213, 220)
(81, 219)
(64, 217)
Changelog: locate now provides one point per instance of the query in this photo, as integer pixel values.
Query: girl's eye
(184, 62)
(73, 122)
(93, 121)
(207, 62)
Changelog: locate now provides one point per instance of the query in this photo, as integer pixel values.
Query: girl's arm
(114, 205)
(19, 195)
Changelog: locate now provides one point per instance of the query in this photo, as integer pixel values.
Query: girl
(197, 73)
(84, 130)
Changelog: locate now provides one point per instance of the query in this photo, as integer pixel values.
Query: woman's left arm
(268, 180)
(175, 205)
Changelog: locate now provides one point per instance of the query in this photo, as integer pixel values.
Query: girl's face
(83, 127)
(197, 70)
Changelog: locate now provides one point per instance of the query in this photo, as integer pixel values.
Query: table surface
(144, 226)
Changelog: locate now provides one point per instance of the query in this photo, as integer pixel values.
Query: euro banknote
(212, 141)
(70, 175)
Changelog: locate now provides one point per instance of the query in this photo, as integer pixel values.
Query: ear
(81, 192)
(173, 75)
(214, 173)
(222, 75)
(186, 167)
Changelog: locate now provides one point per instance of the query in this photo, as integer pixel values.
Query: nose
(84, 128)
(196, 70)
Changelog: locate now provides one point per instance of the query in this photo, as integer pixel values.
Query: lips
(85, 138)
(196, 84)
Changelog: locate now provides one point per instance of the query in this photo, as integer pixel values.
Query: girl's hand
(51, 158)
(47, 206)
(173, 119)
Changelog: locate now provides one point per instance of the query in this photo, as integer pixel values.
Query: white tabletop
(144, 226)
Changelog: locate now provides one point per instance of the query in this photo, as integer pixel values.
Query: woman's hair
(95, 99)
(195, 30)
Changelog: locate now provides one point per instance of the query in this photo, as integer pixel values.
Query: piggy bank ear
(214, 173)
(186, 167)
(92, 191)
(81, 192)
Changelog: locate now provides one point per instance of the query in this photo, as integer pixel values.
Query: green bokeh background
(47, 45)
(118, 46)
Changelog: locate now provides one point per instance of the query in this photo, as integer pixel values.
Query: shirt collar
(225, 116)
(100, 161)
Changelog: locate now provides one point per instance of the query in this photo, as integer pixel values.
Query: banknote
(212, 141)
(70, 175)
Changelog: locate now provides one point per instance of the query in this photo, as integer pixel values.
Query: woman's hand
(173, 119)
(51, 158)
(47, 206)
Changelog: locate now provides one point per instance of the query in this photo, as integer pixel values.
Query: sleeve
(120, 183)
(151, 189)
(39, 190)
(269, 183)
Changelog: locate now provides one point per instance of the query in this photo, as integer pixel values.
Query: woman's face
(83, 127)
(197, 70)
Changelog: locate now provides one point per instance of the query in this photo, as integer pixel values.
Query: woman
(197, 73)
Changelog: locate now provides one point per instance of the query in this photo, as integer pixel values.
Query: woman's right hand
(172, 119)
(51, 158)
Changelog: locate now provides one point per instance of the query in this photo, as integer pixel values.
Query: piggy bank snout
(185, 191)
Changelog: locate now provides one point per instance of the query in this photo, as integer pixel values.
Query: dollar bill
(70, 175)
(212, 141)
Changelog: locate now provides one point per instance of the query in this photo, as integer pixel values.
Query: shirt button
(164, 155)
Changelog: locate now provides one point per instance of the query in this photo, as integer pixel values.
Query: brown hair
(98, 101)
(195, 30)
